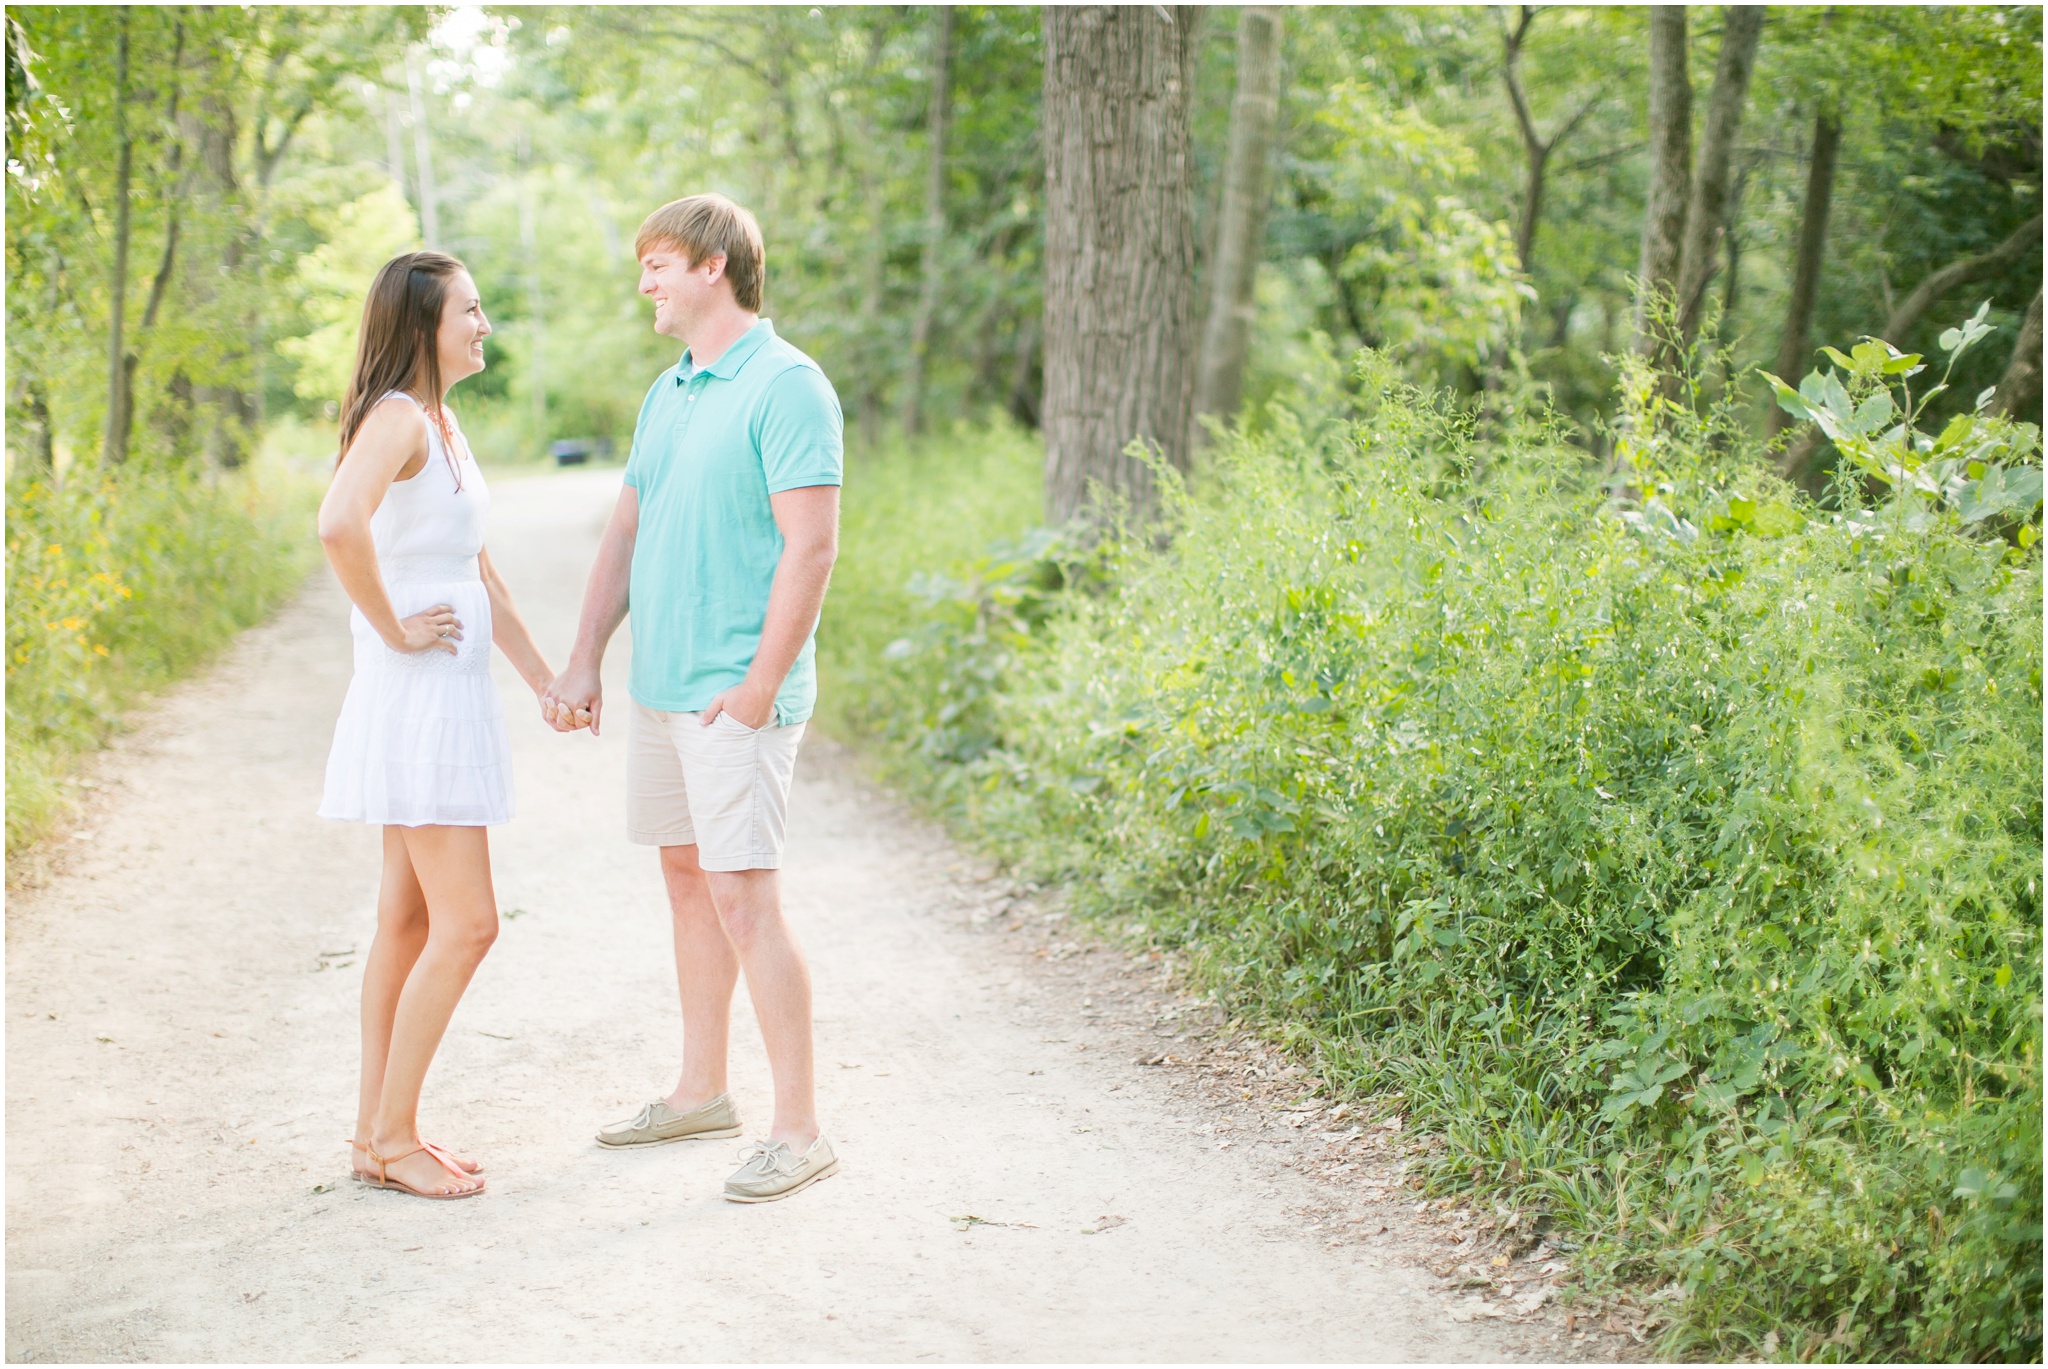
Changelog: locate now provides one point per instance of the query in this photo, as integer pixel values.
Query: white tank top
(429, 523)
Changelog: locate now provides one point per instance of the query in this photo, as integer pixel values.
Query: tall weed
(1668, 844)
(117, 584)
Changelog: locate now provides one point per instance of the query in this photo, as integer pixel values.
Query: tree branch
(1928, 293)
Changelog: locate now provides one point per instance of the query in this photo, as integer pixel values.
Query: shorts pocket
(731, 724)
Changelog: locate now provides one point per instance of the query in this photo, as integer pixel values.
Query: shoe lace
(768, 1159)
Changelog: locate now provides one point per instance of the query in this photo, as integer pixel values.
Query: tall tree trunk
(1707, 211)
(423, 154)
(2019, 393)
(874, 260)
(1670, 170)
(938, 123)
(536, 319)
(235, 409)
(1731, 279)
(1241, 222)
(1027, 385)
(45, 449)
(114, 444)
(1119, 249)
(394, 146)
(1806, 260)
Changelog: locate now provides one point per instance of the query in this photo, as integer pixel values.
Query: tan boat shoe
(657, 1124)
(775, 1171)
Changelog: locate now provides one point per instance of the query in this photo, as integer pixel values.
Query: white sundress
(421, 738)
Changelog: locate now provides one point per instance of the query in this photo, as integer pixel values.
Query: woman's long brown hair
(397, 347)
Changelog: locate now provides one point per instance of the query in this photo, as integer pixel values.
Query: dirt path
(181, 1053)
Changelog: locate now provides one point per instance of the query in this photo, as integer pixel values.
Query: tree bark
(873, 376)
(2019, 393)
(1670, 171)
(536, 317)
(114, 444)
(1928, 293)
(1707, 210)
(938, 124)
(423, 156)
(1027, 385)
(1119, 249)
(45, 449)
(1806, 260)
(1241, 222)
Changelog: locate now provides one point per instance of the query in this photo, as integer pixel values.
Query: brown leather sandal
(444, 1156)
(383, 1178)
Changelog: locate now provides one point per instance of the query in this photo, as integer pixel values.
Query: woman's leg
(401, 936)
(453, 867)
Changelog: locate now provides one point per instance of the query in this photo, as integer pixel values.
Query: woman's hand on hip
(433, 629)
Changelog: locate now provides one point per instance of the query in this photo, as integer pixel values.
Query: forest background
(1551, 730)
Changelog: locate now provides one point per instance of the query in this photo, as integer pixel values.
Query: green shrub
(119, 583)
(1669, 845)
(910, 512)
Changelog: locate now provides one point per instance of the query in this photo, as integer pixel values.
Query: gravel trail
(182, 978)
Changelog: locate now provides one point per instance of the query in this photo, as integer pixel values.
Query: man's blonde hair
(705, 226)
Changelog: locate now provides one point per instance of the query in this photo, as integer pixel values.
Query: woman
(420, 747)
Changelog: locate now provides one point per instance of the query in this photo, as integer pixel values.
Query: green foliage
(1983, 470)
(1674, 852)
(908, 512)
(332, 281)
(117, 586)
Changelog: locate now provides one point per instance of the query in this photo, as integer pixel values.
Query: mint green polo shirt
(711, 445)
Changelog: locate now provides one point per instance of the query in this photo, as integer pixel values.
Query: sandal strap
(385, 1161)
(447, 1160)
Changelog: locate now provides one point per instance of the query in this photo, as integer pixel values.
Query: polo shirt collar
(732, 358)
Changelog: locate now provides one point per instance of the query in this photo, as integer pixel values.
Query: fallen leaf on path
(1102, 1224)
(499, 1036)
(970, 1221)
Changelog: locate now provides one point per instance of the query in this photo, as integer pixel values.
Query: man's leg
(706, 969)
(749, 904)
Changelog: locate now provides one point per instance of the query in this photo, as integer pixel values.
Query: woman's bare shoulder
(395, 429)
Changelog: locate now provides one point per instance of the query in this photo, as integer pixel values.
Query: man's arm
(808, 519)
(576, 696)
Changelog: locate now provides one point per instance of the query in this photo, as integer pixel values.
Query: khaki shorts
(723, 789)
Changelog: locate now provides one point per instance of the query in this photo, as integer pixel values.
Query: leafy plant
(1983, 468)
(1672, 851)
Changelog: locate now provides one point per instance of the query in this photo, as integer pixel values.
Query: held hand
(434, 629)
(749, 706)
(574, 699)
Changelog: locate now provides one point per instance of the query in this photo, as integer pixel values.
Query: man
(722, 542)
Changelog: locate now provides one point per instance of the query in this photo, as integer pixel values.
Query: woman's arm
(391, 442)
(508, 630)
